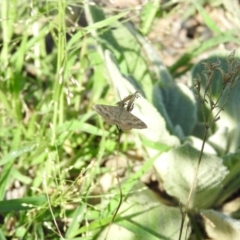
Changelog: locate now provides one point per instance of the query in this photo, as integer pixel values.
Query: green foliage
(54, 147)
(176, 166)
(155, 220)
(229, 124)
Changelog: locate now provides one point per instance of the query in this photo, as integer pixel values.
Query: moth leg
(121, 104)
(127, 99)
(128, 102)
(130, 107)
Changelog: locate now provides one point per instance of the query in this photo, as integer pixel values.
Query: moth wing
(131, 121)
(137, 123)
(109, 113)
(124, 127)
(119, 116)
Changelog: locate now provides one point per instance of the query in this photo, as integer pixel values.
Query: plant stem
(58, 96)
(194, 180)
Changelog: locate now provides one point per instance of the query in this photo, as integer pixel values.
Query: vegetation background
(58, 158)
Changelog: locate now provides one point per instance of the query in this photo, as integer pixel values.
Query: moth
(120, 115)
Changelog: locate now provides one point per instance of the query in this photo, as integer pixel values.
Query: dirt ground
(179, 26)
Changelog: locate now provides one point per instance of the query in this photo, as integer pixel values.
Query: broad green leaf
(133, 63)
(160, 70)
(126, 48)
(156, 130)
(2, 235)
(220, 226)
(197, 144)
(219, 141)
(230, 117)
(169, 98)
(234, 138)
(145, 217)
(179, 103)
(232, 181)
(177, 167)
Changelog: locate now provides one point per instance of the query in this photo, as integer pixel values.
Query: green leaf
(123, 43)
(207, 19)
(169, 98)
(180, 105)
(17, 153)
(148, 14)
(134, 65)
(2, 236)
(161, 72)
(5, 176)
(197, 144)
(76, 220)
(232, 181)
(114, 201)
(219, 141)
(22, 203)
(145, 217)
(228, 125)
(143, 109)
(177, 167)
(220, 226)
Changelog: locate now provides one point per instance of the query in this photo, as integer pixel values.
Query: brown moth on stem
(120, 115)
